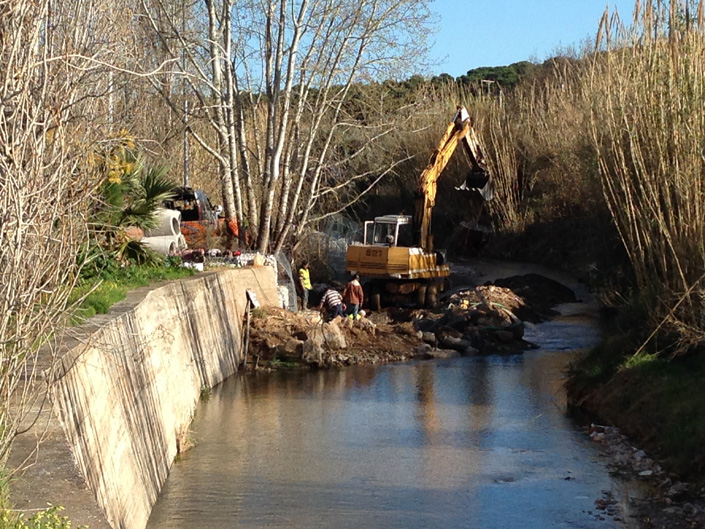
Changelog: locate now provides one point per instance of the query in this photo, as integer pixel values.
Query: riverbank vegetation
(615, 145)
(596, 157)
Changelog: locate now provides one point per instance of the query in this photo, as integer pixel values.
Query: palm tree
(132, 193)
(147, 188)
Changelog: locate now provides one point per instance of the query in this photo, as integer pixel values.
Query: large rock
(423, 351)
(312, 354)
(367, 326)
(329, 335)
(425, 325)
(291, 350)
(459, 344)
(429, 338)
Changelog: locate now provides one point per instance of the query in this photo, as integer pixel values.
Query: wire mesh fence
(286, 283)
(329, 244)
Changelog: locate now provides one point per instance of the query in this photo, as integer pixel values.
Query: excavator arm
(460, 130)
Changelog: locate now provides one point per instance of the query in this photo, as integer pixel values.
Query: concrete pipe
(168, 223)
(181, 242)
(164, 244)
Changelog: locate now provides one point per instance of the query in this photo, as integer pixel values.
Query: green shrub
(46, 519)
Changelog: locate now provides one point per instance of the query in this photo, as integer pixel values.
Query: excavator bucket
(478, 180)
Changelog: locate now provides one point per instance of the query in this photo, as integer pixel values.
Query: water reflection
(467, 442)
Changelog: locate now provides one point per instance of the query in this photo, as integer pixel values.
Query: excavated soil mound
(486, 319)
(482, 320)
(279, 336)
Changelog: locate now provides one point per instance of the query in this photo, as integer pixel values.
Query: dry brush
(51, 57)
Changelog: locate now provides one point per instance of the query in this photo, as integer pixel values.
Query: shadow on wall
(127, 390)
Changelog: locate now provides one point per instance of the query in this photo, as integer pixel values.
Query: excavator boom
(459, 130)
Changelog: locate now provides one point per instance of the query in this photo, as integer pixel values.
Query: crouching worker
(353, 297)
(333, 302)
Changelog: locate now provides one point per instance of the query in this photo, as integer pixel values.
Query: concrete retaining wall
(128, 383)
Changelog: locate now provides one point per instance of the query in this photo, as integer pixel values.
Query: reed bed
(618, 130)
(646, 92)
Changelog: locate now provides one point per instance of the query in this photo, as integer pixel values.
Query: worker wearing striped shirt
(333, 302)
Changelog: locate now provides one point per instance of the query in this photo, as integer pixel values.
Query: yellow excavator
(397, 260)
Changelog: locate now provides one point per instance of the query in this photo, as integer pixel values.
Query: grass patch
(259, 313)
(668, 399)
(278, 364)
(656, 401)
(644, 362)
(112, 285)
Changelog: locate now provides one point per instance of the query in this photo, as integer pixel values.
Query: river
(480, 442)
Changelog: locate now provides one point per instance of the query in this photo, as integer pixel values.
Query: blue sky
(474, 33)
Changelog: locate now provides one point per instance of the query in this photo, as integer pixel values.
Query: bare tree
(272, 78)
(52, 59)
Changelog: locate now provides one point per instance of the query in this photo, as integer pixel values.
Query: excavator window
(390, 234)
(369, 234)
(385, 233)
(406, 235)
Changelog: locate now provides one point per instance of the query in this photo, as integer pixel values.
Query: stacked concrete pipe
(166, 237)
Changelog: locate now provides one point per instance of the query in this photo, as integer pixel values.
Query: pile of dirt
(482, 320)
(486, 319)
(279, 337)
(538, 296)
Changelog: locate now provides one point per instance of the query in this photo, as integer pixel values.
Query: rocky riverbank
(667, 502)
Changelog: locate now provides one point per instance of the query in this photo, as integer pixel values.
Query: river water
(468, 442)
(478, 442)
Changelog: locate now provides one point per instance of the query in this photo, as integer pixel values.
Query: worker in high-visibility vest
(304, 284)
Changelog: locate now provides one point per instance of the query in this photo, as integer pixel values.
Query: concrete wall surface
(128, 383)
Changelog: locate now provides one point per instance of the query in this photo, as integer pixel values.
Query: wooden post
(247, 332)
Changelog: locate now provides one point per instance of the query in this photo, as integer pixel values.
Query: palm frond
(153, 188)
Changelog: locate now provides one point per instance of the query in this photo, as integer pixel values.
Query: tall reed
(646, 90)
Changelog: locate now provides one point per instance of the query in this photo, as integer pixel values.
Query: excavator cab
(388, 230)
